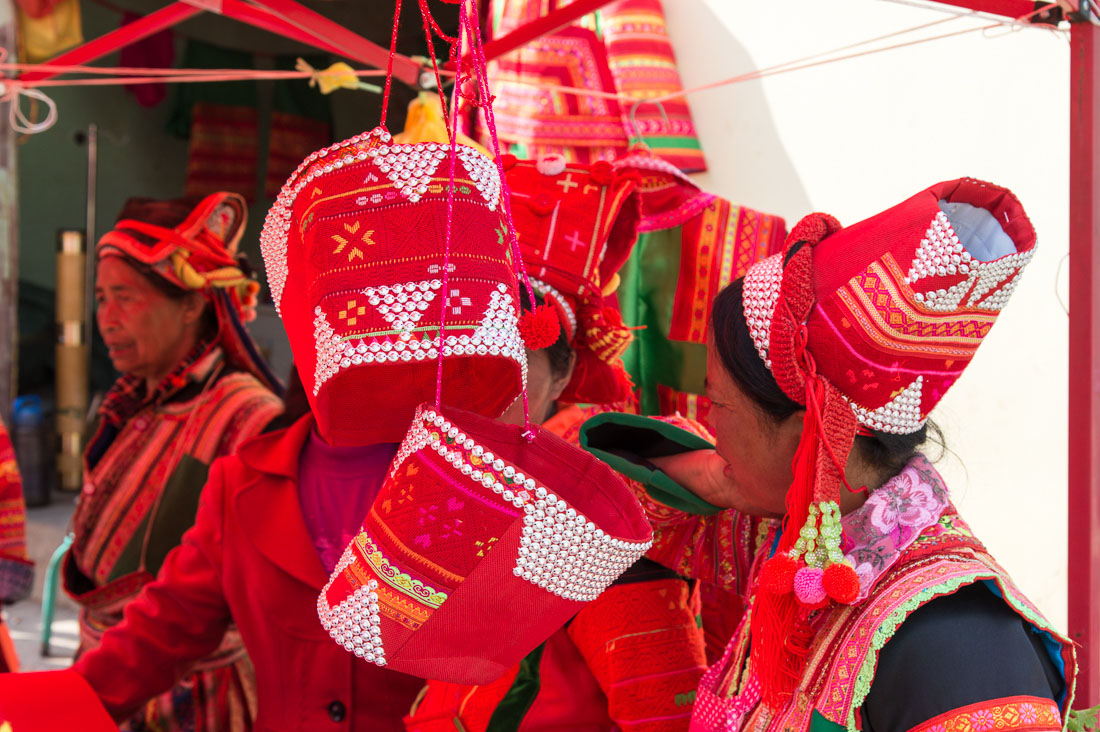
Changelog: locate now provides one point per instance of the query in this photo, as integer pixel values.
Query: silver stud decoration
(900, 416)
(941, 254)
(403, 305)
(497, 334)
(561, 550)
(760, 295)
(483, 173)
(355, 622)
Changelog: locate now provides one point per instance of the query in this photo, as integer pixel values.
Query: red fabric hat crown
(478, 530)
(899, 306)
(354, 255)
(866, 324)
(576, 225)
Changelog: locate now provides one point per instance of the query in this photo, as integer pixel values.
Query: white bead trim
(496, 335)
(759, 296)
(408, 167)
(355, 622)
(900, 416)
(561, 550)
(941, 254)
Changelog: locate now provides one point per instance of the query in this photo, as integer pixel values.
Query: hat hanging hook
(638, 137)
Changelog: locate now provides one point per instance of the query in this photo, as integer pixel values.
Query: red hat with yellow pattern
(355, 262)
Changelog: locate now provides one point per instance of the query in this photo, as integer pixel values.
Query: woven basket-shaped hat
(479, 534)
(354, 248)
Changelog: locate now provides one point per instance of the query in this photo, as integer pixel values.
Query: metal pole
(1084, 355)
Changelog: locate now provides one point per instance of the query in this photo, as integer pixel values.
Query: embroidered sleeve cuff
(1030, 713)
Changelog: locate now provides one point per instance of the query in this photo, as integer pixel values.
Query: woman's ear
(557, 386)
(194, 305)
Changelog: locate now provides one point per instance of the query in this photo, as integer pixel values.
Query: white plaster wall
(855, 137)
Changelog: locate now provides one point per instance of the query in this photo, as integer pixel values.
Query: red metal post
(109, 42)
(351, 45)
(1084, 357)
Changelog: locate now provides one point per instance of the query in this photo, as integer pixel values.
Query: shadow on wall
(747, 161)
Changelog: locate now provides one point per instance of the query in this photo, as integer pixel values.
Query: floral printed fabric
(893, 517)
(1017, 713)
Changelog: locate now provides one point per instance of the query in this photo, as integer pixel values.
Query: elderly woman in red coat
(355, 266)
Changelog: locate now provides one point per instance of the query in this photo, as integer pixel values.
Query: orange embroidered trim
(998, 715)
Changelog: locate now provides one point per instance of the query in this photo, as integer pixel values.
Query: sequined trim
(941, 254)
(354, 623)
(496, 335)
(759, 297)
(998, 715)
(561, 550)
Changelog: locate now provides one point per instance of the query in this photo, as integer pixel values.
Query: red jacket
(249, 557)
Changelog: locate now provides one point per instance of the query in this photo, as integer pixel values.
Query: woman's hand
(703, 472)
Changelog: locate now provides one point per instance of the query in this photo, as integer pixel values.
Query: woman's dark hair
(560, 353)
(885, 452)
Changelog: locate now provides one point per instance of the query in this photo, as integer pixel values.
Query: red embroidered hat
(576, 225)
(192, 243)
(868, 325)
(355, 256)
(479, 534)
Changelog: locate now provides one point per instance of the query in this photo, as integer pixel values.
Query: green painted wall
(136, 157)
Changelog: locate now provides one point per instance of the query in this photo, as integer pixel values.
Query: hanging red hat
(868, 326)
(576, 225)
(479, 533)
(355, 256)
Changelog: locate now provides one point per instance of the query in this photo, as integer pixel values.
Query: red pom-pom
(841, 583)
(508, 160)
(777, 574)
(540, 327)
(542, 204)
(602, 172)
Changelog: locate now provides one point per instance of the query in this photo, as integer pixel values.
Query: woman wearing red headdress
(871, 604)
(171, 297)
(632, 657)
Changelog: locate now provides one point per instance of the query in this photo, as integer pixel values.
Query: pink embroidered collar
(893, 517)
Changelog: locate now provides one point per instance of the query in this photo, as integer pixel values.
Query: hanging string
(452, 131)
(389, 64)
(482, 80)
(19, 121)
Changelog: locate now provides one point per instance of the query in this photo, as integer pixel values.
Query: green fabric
(175, 514)
(818, 723)
(646, 295)
(626, 441)
(509, 714)
(199, 55)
